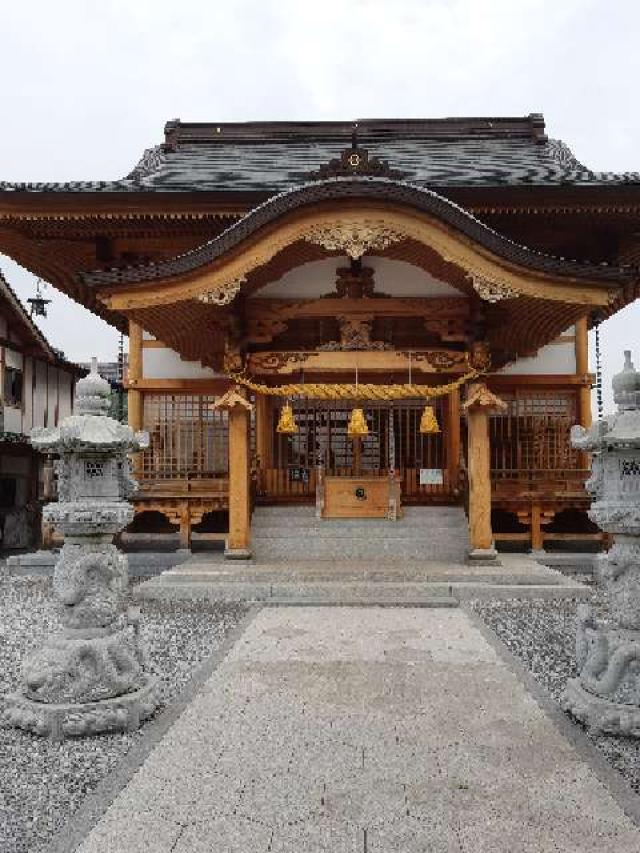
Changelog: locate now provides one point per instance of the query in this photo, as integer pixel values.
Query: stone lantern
(606, 693)
(90, 677)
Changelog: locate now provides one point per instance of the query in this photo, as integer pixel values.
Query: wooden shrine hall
(359, 316)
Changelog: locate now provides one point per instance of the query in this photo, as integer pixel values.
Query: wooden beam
(181, 386)
(428, 361)
(504, 379)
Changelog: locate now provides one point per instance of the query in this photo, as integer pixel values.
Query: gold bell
(286, 423)
(428, 421)
(357, 424)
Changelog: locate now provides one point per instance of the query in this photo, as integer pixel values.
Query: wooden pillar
(185, 527)
(357, 456)
(452, 438)
(263, 431)
(239, 539)
(537, 541)
(134, 396)
(479, 405)
(582, 371)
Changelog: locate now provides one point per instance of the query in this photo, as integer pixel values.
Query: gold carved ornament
(428, 422)
(353, 238)
(357, 427)
(286, 423)
(223, 293)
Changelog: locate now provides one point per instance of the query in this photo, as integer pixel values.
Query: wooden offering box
(361, 497)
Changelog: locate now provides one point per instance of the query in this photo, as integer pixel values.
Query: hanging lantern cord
(598, 369)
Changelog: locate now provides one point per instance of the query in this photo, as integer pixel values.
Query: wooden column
(357, 456)
(479, 405)
(537, 540)
(134, 396)
(239, 539)
(582, 370)
(452, 438)
(185, 527)
(263, 431)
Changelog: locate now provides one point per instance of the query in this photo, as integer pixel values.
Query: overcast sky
(87, 86)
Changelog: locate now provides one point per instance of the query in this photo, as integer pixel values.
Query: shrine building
(358, 316)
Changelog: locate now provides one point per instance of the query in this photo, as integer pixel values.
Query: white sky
(87, 86)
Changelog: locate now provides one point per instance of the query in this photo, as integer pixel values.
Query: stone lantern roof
(626, 386)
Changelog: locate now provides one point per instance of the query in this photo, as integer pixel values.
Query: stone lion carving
(84, 670)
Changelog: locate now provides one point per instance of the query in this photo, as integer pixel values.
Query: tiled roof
(271, 157)
(371, 189)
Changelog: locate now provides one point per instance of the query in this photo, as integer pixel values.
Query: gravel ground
(42, 783)
(541, 634)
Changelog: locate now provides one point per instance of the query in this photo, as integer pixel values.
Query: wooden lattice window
(187, 438)
(533, 434)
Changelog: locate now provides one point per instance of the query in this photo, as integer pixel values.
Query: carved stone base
(122, 713)
(237, 554)
(481, 556)
(84, 668)
(599, 714)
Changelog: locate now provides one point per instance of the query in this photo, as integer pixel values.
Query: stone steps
(339, 592)
(423, 533)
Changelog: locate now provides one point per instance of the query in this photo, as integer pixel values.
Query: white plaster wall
(317, 278)
(13, 358)
(12, 419)
(147, 336)
(164, 363)
(52, 395)
(40, 394)
(27, 420)
(555, 358)
(65, 399)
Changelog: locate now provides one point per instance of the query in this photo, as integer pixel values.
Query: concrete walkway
(364, 729)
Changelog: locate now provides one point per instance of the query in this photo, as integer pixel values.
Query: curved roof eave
(354, 189)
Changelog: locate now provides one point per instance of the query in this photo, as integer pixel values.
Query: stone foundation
(76, 719)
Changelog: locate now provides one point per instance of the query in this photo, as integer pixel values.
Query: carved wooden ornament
(231, 400)
(479, 397)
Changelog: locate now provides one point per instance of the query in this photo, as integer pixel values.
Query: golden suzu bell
(357, 424)
(286, 423)
(428, 421)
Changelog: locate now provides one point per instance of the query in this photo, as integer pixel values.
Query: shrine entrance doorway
(288, 464)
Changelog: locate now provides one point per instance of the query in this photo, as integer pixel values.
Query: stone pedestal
(90, 677)
(606, 693)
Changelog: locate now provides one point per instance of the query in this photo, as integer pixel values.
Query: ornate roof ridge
(271, 156)
(355, 187)
(529, 126)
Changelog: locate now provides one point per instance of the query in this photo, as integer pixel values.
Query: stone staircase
(419, 560)
(423, 533)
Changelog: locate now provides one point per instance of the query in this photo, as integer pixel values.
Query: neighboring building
(316, 252)
(37, 390)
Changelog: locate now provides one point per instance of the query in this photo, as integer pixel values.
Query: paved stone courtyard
(364, 729)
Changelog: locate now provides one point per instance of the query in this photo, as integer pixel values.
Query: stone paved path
(363, 729)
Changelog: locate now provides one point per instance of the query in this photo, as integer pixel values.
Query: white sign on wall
(431, 477)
